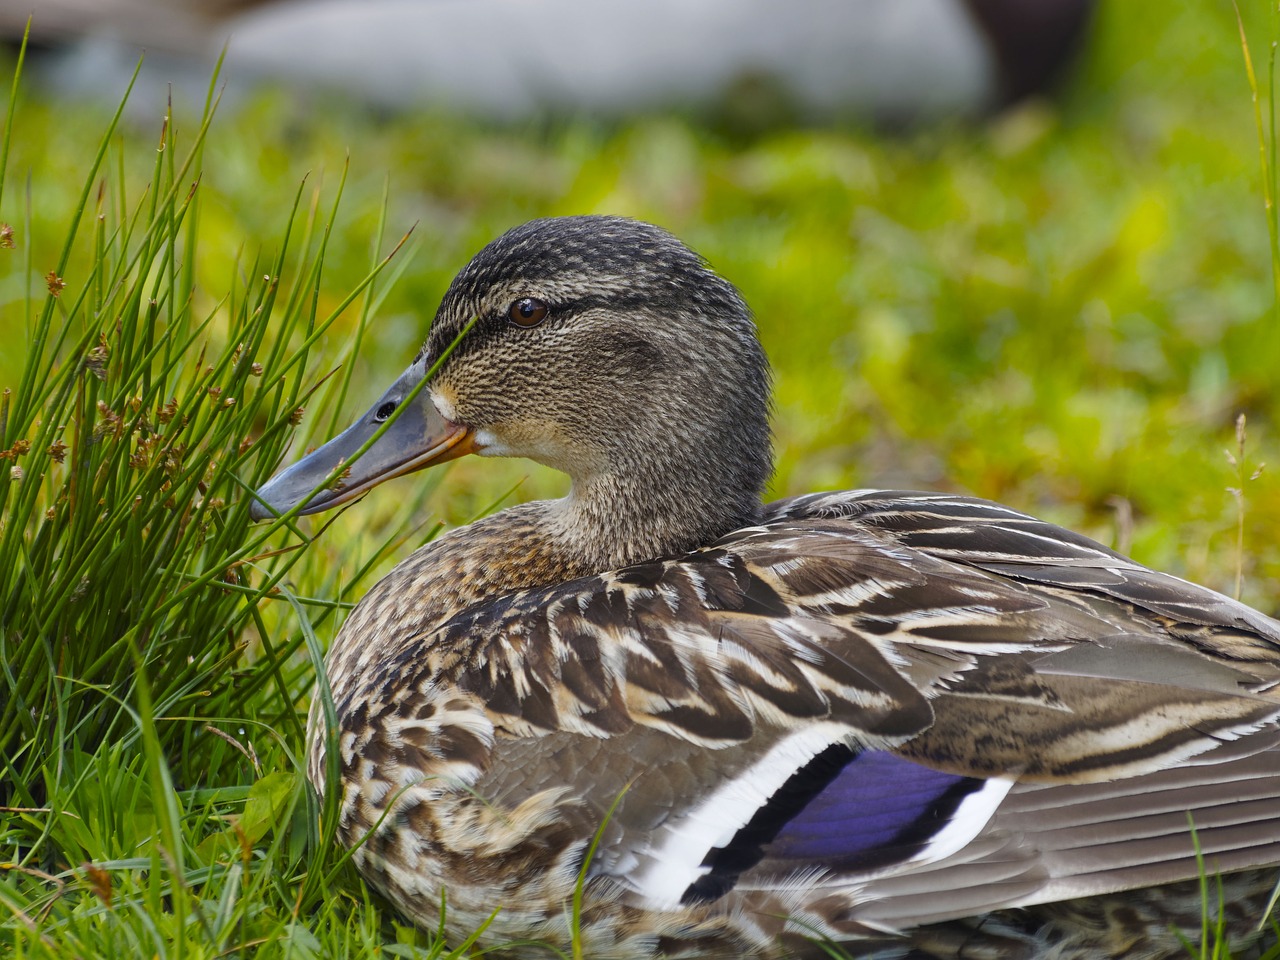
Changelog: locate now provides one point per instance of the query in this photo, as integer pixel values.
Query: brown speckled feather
(919, 724)
(668, 678)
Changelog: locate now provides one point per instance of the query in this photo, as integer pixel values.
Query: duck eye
(384, 410)
(527, 312)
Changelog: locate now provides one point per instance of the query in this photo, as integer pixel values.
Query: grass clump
(152, 800)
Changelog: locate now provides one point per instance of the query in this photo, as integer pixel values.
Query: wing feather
(959, 634)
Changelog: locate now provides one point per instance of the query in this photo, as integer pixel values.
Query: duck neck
(613, 519)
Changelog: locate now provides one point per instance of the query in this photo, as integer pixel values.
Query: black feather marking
(746, 848)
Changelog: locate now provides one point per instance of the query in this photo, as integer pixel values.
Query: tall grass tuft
(135, 651)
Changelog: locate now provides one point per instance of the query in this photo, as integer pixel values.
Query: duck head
(599, 346)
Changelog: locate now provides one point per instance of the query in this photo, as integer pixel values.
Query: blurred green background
(1063, 307)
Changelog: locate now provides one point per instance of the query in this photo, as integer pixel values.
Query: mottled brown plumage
(918, 724)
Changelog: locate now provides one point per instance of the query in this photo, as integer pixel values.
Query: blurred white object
(508, 58)
(894, 59)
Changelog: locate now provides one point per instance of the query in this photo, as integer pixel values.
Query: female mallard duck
(917, 723)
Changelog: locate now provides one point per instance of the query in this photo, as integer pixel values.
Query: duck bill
(420, 437)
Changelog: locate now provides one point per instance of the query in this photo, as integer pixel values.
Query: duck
(662, 718)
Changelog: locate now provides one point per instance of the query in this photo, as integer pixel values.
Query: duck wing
(1165, 720)
(872, 697)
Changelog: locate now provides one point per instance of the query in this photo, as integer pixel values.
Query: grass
(138, 653)
(1066, 308)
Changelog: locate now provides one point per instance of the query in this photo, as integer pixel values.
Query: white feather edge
(672, 859)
